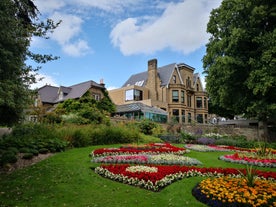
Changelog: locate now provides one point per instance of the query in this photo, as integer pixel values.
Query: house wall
(161, 96)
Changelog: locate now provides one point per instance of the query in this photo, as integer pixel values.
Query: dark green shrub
(7, 157)
(13, 149)
(24, 150)
(28, 156)
(34, 152)
(43, 151)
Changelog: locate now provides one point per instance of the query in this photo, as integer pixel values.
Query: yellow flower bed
(235, 190)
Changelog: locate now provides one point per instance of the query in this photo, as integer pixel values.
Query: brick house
(175, 89)
(49, 96)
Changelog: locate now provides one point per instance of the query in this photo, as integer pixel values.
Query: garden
(137, 170)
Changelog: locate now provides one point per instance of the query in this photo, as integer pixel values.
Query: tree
(18, 24)
(240, 60)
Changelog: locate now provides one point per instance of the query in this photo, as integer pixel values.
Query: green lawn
(66, 179)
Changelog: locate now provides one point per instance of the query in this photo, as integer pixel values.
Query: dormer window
(174, 79)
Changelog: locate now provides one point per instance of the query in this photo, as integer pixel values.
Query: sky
(111, 40)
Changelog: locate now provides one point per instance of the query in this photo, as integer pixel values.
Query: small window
(199, 118)
(182, 96)
(198, 102)
(175, 96)
(97, 97)
(176, 114)
(189, 101)
(174, 79)
(134, 95)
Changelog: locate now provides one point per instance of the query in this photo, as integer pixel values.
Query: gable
(52, 94)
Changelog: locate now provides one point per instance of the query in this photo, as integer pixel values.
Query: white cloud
(77, 48)
(43, 79)
(68, 30)
(49, 5)
(112, 6)
(181, 27)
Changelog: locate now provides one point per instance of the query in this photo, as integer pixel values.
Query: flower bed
(228, 191)
(165, 175)
(154, 148)
(249, 158)
(211, 148)
(168, 159)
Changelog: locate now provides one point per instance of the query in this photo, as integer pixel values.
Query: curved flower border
(227, 191)
(168, 159)
(213, 148)
(235, 158)
(166, 175)
(153, 148)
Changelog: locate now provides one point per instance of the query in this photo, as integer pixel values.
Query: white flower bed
(204, 148)
(168, 159)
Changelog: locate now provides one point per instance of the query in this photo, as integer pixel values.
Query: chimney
(102, 82)
(152, 64)
(152, 79)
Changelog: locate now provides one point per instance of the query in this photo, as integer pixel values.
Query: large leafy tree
(19, 22)
(240, 61)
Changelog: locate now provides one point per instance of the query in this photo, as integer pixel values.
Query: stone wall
(251, 133)
(5, 130)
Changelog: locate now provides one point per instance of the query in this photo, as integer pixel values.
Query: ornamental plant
(250, 175)
(229, 192)
(151, 179)
(152, 148)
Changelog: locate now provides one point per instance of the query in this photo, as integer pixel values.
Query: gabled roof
(50, 94)
(132, 107)
(164, 74)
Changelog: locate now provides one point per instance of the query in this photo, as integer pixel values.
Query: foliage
(18, 24)
(249, 175)
(147, 126)
(85, 110)
(187, 137)
(240, 60)
(114, 135)
(30, 139)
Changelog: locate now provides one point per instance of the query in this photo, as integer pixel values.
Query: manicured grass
(66, 179)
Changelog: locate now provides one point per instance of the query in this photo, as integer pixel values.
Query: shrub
(114, 135)
(226, 141)
(7, 157)
(79, 139)
(43, 151)
(205, 140)
(28, 156)
(187, 137)
(147, 126)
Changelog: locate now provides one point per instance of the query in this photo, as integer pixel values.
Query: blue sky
(113, 39)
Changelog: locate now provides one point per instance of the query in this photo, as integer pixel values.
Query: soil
(21, 163)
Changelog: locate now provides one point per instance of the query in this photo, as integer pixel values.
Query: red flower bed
(247, 159)
(153, 148)
(167, 174)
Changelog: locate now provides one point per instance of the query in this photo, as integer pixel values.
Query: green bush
(114, 135)
(7, 157)
(28, 156)
(80, 139)
(147, 126)
(187, 137)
